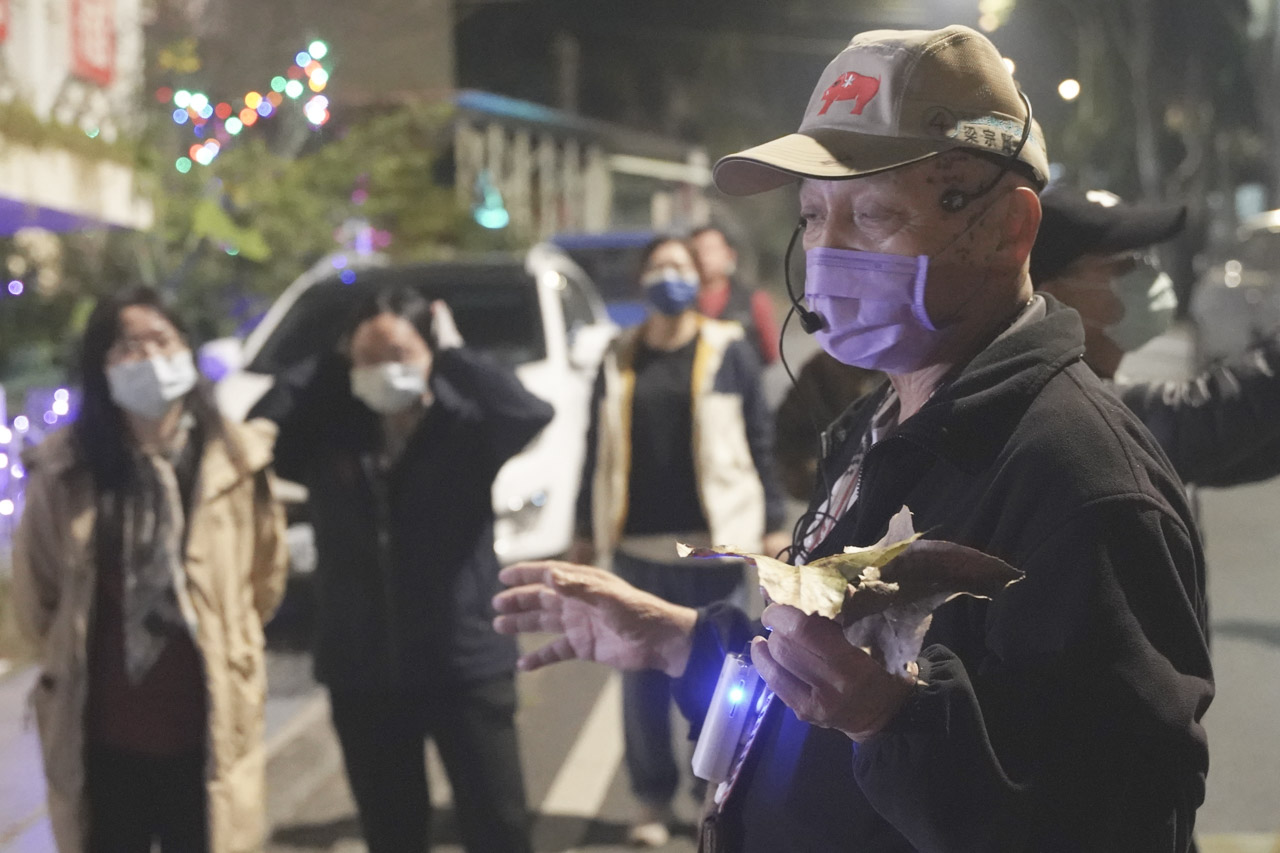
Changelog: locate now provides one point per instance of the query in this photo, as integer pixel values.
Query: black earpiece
(954, 200)
(810, 321)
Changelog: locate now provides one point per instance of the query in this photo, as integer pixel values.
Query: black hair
(400, 301)
(710, 229)
(662, 240)
(101, 433)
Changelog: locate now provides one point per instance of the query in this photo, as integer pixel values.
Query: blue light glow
(736, 694)
(493, 218)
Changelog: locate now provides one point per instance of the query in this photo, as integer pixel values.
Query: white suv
(539, 314)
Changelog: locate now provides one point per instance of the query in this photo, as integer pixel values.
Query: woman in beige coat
(149, 554)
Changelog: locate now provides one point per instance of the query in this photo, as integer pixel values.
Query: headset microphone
(810, 321)
(955, 200)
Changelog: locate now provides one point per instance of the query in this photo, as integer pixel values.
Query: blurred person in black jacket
(1219, 428)
(398, 438)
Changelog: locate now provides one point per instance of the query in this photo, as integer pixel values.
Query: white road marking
(437, 779)
(582, 782)
(1239, 842)
(313, 712)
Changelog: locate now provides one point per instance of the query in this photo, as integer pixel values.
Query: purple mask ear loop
(918, 290)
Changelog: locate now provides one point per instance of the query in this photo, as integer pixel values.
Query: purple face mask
(873, 308)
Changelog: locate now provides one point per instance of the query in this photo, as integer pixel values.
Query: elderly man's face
(975, 255)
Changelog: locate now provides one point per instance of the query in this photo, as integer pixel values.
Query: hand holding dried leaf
(883, 595)
(819, 587)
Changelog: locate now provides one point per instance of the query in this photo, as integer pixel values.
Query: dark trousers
(137, 799)
(473, 726)
(646, 695)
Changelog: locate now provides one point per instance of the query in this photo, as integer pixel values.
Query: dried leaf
(925, 569)
(813, 589)
(890, 609)
(819, 587)
(884, 594)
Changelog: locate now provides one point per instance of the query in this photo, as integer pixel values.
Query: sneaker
(650, 830)
(648, 834)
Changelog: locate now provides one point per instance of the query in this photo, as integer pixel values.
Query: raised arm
(1221, 428)
(509, 415)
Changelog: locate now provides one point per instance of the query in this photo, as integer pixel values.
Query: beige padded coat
(236, 565)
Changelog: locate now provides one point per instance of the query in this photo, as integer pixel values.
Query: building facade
(70, 77)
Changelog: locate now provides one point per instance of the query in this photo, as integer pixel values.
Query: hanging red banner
(4, 20)
(93, 40)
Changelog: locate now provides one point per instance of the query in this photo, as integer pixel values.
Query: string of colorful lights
(217, 123)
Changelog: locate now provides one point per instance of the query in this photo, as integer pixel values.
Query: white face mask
(148, 388)
(389, 387)
(1150, 303)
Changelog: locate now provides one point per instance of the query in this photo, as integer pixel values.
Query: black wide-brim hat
(1076, 223)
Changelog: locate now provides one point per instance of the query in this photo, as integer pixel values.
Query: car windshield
(611, 261)
(496, 308)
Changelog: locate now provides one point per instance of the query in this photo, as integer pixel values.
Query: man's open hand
(599, 616)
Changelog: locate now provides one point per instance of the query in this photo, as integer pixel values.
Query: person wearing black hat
(1062, 713)
(1092, 254)
(1219, 428)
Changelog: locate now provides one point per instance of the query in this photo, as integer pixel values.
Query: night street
(572, 740)
(321, 321)
(570, 715)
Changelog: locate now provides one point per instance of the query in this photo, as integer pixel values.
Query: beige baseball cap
(890, 98)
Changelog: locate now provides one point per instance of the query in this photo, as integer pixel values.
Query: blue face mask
(670, 291)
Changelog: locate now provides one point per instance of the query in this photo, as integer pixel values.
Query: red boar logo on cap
(851, 86)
